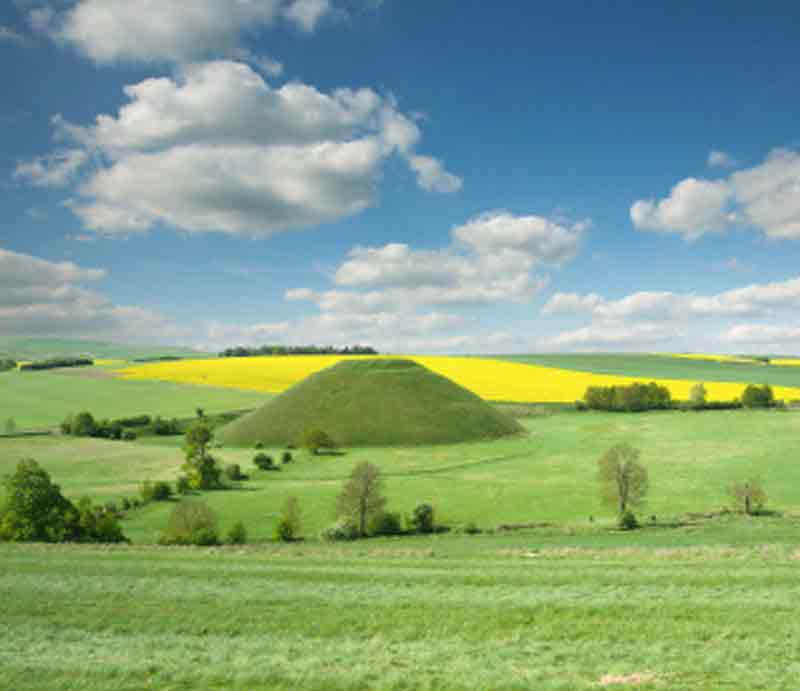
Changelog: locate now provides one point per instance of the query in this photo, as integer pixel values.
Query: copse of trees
(34, 510)
(630, 399)
(84, 424)
(278, 350)
(54, 363)
(7, 364)
(758, 396)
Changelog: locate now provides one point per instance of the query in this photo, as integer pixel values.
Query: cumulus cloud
(39, 297)
(432, 175)
(720, 159)
(10, 34)
(763, 334)
(108, 31)
(765, 197)
(216, 148)
(58, 169)
(613, 335)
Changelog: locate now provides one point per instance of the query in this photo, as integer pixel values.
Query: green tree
(201, 467)
(34, 509)
(361, 496)
(623, 480)
(288, 527)
(191, 523)
(316, 439)
(697, 396)
(748, 496)
(758, 396)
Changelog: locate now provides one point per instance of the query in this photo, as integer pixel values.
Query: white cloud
(762, 334)
(765, 197)
(216, 148)
(615, 335)
(720, 159)
(108, 31)
(39, 297)
(432, 175)
(54, 170)
(693, 208)
(571, 302)
(8, 33)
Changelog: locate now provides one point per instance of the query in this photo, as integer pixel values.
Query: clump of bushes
(264, 461)
(7, 364)
(385, 523)
(286, 457)
(629, 399)
(628, 521)
(155, 491)
(191, 523)
(758, 396)
(288, 527)
(234, 473)
(422, 519)
(343, 530)
(237, 535)
(54, 363)
(34, 510)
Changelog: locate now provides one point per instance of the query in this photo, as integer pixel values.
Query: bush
(627, 521)
(263, 461)
(286, 457)
(758, 396)
(472, 529)
(182, 485)
(422, 519)
(340, 531)
(155, 491)
(129, 435)
(234, 473)
(288, 527)
(259, 445)
(165, 427)
(385, 523)
(191, 523)
(83, 425)
(581, 406)
(237, 535)
(316, 439)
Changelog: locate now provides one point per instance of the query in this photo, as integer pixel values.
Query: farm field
(41, 348)
(44, 399)
(562, 379)
(547, 475)
(423, 613)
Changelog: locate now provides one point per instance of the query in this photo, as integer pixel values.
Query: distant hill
(41, 348)
(375, 402)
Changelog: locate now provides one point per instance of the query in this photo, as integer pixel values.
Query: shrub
(422, 520)
(234, 473)
(472, 529)
(263, 461)
(758, 396)
(259, 445)
(627, 521)
(165, 427)
(129, 435)
(126, 504)
(581, 406)
(191, 523)
(83, 425)
(182, 485)
(155, 491)
(288, 527)
(697, 397)
(340, 531)
(316, 439)
(385, 523)
(286, 457)
(237, 535)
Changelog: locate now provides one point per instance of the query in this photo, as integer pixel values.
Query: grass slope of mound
(374, 402)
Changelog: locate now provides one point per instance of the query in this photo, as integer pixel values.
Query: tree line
(242, 351)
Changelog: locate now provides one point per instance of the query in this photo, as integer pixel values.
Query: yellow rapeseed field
(714, 358)
(493, 380)
(785, 362)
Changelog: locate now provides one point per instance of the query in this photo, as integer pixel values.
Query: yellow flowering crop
(494, 380)
(714, 358)
(785, 362)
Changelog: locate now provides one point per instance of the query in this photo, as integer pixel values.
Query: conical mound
(374, 402)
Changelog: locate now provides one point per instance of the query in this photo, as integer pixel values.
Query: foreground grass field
(547, 475)
(438, 613)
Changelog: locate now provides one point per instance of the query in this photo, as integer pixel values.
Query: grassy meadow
(697, 600)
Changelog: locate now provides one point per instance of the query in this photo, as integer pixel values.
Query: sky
(454, 176)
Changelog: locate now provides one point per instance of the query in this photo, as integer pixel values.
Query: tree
(748, 496)
(191, 523)
(361, 497)
(623, 479)
(288, 527)
(697, 396)
(316, 439)
(201, 467)
(422, 519)
(758, 396)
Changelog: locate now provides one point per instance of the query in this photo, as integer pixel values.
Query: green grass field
(547, 475)
(43, 399)
(39, 348)
(664, 367)
(415, 613)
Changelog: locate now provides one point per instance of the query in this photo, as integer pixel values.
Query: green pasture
(41, 348)
(414, 613)
(546, 475)
(43, 399)
(649, 367)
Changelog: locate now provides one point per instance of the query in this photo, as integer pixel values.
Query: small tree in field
(288, 527)
(748, 496)
(201, 467)
(316, 439)
(697, 396)
(361, 497)
(623, 480)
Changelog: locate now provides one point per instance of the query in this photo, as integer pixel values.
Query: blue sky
(449, 176)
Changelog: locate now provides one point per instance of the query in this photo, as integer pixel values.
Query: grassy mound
(375, 402)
